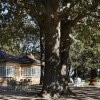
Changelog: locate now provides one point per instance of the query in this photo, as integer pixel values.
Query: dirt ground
(82, 93)
(85, 93)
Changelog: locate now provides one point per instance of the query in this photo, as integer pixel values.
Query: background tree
(19, 35)
(85, 51)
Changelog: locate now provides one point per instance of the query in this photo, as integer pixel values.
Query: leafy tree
(57, 18)
(85, 51)
(19, 36)
(83, 58)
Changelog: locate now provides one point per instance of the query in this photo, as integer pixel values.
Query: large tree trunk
(65, 44)
(42, 47)
(55, 81)
(52, 57)
(55, 76)
(52, 46)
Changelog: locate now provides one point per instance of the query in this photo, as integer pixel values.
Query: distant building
(19, 68)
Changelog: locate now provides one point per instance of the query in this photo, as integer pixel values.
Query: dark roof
(25, 60)
(4, 57)
(11, 58)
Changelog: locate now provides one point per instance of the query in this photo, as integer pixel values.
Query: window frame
(34, 72)
(5, 73)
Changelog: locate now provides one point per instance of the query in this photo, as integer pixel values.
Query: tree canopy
(57, 20)
(19, 33)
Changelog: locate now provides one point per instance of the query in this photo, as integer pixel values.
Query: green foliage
(20, 36)
(85, 51)
(83, 55)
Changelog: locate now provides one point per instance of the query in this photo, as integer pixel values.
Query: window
(2, 71)
(26, 71)
(36, 72)
(33, 72)
(10, 71)
(7, 71)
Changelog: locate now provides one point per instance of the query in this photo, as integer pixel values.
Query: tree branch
(65, 11)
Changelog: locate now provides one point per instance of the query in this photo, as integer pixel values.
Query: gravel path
(82, 93)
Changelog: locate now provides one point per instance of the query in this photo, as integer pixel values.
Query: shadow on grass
(86, 93)
(8, 92)
(82, 93)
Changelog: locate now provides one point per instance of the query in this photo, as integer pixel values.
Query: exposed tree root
(55, 95)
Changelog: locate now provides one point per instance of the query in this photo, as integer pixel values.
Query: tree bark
(93, 73)
(55, 81)
(65, 44)
(52, 57)
(42, 47)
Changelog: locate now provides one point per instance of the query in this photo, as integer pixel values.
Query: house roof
(26, 59)
(4, 57)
